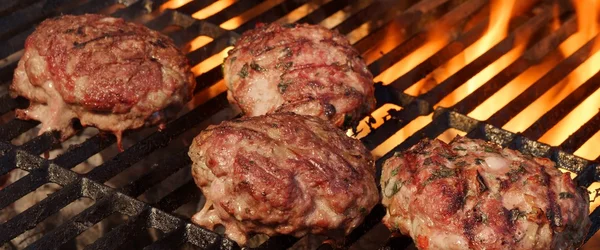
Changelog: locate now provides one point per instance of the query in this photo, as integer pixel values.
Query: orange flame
(587, 16)
(173, 4)
(237, 21)
(212, 9)
(500, 14)
(436, 41)
(497, 30)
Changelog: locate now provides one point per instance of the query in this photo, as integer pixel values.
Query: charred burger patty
(282, 174)
(471, 194)
(106, 72)
(305, 69)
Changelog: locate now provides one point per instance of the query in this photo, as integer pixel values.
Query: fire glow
(501, 14)
(500, 17)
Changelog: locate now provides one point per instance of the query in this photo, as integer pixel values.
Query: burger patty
(106, 72)
(305, 69)
(471, 194)
(282, 173)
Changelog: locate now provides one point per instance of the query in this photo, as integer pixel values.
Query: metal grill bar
(177, 198)
(586, 131)
(122, 233)
(27, 17)
(531, 57)
(270, 15)
(526, 30)
(326, 10)
(14, 128)
(544, 84)
(554, 115)
(157, 140)
(439, 58)
(34, 215)
(232, 11)
(21, 187)
(166, 168)
(452, 19)
(76, 225)
(406, 21)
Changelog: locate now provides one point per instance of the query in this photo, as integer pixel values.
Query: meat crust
(471, 194)
(305, 69)
(282, 174)
(104, 71)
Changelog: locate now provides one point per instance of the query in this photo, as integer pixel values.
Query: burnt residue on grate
(159, 155)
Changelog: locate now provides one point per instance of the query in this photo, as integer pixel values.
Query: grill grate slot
(544, 84)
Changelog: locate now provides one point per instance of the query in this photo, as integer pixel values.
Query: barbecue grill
(385, 32)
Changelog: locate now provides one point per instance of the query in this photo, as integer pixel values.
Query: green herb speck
(284, 65)
(257, 67)
(461, 163)
(565, 195)
(283, 86)
(515, 173)
(395, 188)
(427, 161)
(394, 171)
(443, 172)
(460, 148)
(515, 214)
(484, 218)
(287, 51)
(244, 71)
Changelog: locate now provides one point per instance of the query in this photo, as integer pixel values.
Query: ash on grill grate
(428, 55)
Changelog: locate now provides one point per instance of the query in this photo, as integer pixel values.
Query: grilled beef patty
(305, 69)
(106, 72)
(471, 194)
(282, 174)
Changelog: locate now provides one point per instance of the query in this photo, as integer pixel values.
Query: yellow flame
(500, 14)
(237, 21)
(449, 135)
(378, 114)
(207, 94)
(212, 9)
(583, 112)
(512, 90)
(401, 135)
(341, 15)
(589, 149)
(482, 77)
(211, 62)
(197, 43)
(383, 46)
(435, 43)
(173, 4)
(586, 11)
(302, 11)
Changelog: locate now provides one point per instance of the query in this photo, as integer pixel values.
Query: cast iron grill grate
(18, 19)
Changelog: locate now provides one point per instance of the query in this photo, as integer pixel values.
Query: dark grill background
(164, 152)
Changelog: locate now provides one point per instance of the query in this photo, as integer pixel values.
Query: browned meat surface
(282, 174)
(103, 71)
(305, 69)
(471, 194)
